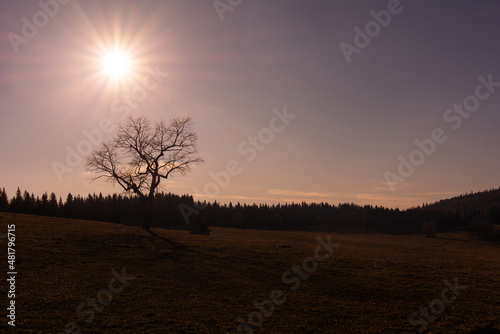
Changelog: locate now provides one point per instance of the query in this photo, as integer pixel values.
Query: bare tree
(139, 156)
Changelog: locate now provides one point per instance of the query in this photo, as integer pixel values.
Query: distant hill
(483, 201)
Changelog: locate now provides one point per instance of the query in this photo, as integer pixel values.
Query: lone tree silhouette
(139, 156)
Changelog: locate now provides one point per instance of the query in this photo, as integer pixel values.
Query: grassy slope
(199, 284)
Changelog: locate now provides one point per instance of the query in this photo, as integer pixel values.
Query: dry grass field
(186, 283)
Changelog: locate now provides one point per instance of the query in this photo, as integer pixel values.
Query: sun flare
(116, 64)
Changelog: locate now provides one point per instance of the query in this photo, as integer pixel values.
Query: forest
(174, 211)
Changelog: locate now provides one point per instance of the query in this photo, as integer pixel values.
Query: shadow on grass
(177, 246)
(451, 239)
(485, 330)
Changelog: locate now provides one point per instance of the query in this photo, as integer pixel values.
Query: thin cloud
(233, 198)
(383, 186)
(298, 193)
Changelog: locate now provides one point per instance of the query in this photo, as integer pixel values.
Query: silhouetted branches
(141, 155)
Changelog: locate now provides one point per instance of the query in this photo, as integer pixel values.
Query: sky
(369, 102)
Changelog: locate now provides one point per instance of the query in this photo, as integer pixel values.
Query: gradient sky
(353, 120)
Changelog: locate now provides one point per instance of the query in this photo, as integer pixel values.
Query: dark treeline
(350, 217)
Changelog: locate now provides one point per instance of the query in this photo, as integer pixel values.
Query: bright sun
(116, 64)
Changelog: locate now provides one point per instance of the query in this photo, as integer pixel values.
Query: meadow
(178, 282)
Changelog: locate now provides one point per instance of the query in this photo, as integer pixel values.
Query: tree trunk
(148, 213)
